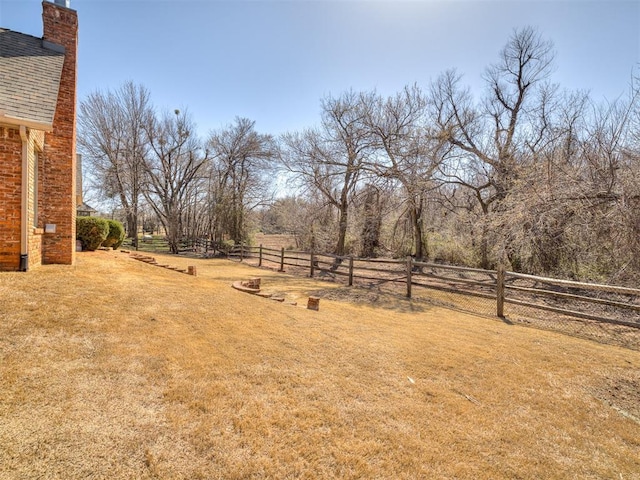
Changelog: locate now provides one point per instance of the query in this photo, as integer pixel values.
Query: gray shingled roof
(30, 70)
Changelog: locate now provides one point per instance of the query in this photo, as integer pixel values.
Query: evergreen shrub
(91, 231)
(116, 235)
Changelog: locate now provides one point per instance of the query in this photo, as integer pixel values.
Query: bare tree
(111, 138)
(608, 193)
(491, 140)
(239, 175)
(408, 153)
(542, 208)
(576, 214)
(172, 168)
(330, 159)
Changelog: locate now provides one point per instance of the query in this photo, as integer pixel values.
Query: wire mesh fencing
(605, 313)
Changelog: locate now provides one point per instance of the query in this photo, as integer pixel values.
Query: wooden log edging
(191, 270)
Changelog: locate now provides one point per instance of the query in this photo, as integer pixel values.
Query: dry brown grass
(118, 369)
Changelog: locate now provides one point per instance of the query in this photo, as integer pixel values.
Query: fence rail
(602, 303)
(510, 292)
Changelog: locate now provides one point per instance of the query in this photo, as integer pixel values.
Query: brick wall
(10, 197)
(59, 156)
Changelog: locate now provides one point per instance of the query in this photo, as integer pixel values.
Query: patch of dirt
(621, 391)
(349, 295)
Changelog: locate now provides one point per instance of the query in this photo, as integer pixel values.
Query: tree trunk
(132, 225)
(173, 233)
(342, 230)
(484, 246)
(419, 243)
(372, 222)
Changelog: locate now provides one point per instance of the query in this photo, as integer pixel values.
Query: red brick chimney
(59, 166)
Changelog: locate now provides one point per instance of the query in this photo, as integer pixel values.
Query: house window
(34, 205)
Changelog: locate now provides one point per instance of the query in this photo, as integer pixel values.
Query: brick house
(37, 142)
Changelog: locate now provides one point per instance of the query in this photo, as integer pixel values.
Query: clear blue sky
(272, 61)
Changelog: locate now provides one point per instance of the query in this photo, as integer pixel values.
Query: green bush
(91, 231)
(115, 236)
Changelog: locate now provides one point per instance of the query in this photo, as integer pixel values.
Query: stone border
(252, 286)
(248, 286)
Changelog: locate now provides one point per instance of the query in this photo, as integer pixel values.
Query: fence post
(281, 260)
(351, 271)
(500, 291)
(409, 269)
(260, 256)
(311, 267)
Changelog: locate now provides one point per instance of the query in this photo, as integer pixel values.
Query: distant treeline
(531, 176)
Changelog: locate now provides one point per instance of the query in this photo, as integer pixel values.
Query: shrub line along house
(37, 142)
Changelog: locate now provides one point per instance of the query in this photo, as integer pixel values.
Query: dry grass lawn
(116, 369)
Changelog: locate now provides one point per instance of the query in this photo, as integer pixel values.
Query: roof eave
(24, 122)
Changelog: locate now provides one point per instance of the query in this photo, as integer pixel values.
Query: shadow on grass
(372, 297)
(374, 294)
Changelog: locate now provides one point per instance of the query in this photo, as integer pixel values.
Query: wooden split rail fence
(601, 303)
